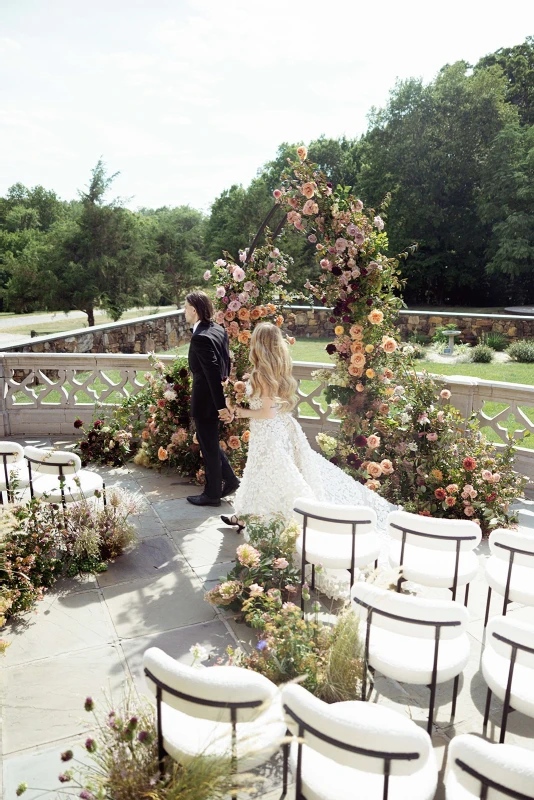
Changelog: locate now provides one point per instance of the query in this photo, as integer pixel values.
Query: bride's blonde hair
(272, 372)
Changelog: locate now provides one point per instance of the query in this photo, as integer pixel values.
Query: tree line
(456, 157)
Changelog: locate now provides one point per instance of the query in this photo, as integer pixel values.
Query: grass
(64, 323)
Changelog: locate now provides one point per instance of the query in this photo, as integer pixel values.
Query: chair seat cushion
(18, 473)
(334, 550)
(433, 567)
(495, 669)
(184, 736)
(521, 585)
(410, 659)
(324, 779)
(89, 483)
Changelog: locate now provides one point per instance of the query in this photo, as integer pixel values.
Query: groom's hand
(226, 415)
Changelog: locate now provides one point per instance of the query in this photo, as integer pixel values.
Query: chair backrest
(358, 736)
(46, 461)
(330, 518)
(213, 693)
(12, 452)
(505, 634)
(405, 614)
(504, 768)
(434, 533)
(503, 541)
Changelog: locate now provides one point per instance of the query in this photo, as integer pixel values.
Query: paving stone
(61, 623)
(179, 515)
(40, 768)
(212, 574)
(203, 547)
(150, 559)
(44, 699)
(172, 600)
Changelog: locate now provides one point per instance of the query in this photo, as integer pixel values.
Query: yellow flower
(339, 330)
(370, 373)
(369, 348)
(437, 474)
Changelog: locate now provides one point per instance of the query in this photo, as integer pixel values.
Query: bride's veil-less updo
(272, 372)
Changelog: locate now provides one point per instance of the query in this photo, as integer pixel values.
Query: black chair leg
(376, 564)
(431, 707)
(466, 595)
(313, 577)
(487, 606)
(486, 713)
(285, 751)
(454, 696)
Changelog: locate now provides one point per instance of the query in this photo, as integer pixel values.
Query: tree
(517, 65)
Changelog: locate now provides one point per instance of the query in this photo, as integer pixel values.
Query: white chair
(477, 766)
(356, 750)
(508, 668)
(58, 477)
(337, 537)
(14, 470)
(434, 552)
(510, 568)
(412, 639)
(214, 711)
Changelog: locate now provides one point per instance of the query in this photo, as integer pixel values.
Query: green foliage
(522, 351)
(440, 334)
(497, 341)
(482, 354)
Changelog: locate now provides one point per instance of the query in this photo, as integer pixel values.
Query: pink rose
(341, 244)
(432, 437)
(312, 238)
(469, 511)
(248, 286)
(325, 263)
(495, 478)
(486, 474)
(220, 262)
(379, 223)
(358, 205)
(235, 305)
(310, 207)
(373, 441)
(239, 274)
(352, 230)
(275, 252)
(445, 394)
(242, 256)
(359, 238)
(220, 291)
(207, 275)
(280, 563)
(277, 194)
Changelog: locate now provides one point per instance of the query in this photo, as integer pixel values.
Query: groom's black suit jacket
(209, 362)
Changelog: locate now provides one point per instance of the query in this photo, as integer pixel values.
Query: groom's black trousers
(216, 464)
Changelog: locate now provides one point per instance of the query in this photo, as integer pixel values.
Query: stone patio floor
(88, 635)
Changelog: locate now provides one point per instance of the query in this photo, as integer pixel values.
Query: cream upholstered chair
(434, 552)
(337, 537)
(510, 568)
(58, 477)
(412, 639)
(13, 469)
(214, 711)
(508, 668)
(477, 767)
(356, 749)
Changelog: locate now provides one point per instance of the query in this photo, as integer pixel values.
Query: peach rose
(219, 317)
(383, 408)
(374, 469)
(356, 372)
(255, 313)
(356, 347)
(234, 442)
(375, 317)
(270, 308)
(388, 373)
(310, 207)
(373, 441)
(229, 316)
(245, 436)
(179, 436)
(290, 340)
(244, 337)
(369, 348)
(222, 445)
(389, 345)
(162, 454)
(240, 387)
(360, 387)
(243, 313)
(145, 435)
(356, 331)
(279, 321)
(302, 152)
(357, 359)
(233, 328)
(308, 189)
(373, 485)
(387, 466)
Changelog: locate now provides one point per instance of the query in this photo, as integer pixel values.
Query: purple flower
(89, 704)
(63, 778)
(143, 736)
(90, 745)
(261, 645)
(133, 722)
(86, 795)
(67, 755)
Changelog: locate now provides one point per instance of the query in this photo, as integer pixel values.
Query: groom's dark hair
(202, 305)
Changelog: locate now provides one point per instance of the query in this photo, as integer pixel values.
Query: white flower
(199, 653)
(413, 447)
(170, 394)
(404, 418)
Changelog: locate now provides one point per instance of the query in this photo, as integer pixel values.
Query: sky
(187, 97)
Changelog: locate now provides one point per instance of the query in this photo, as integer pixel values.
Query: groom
(209, 362)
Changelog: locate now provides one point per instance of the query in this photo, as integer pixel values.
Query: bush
(482, 354)
(418, 338)
(497, 341)
(441, 335)
(522, 351)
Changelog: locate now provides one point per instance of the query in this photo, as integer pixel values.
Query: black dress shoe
(203, 500)
(229, 488)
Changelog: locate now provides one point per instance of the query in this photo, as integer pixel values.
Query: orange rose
(356, 347)
(302, 152)
(279, 321)
(374, 469)
(308, 189)
(389, 345)
(388, 373)
(270, 308)
(387, 466)
(263, 311)
(357, 359)
(243, 313)
(240, 387)
(244, 337)
(375, 317)
(234, 442)
(356, 372)
(229, 316)
(255, 313)
(356, 331)
(290, 340)
(245, 436)
(162, 454)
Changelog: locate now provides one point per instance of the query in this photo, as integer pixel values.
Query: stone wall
(168, 330)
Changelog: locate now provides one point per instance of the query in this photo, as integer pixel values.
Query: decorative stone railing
(41, 394)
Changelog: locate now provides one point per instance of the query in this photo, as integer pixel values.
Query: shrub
(497, 341)
(482, 354)
(440, 335)
(418, 338)
(522, 351)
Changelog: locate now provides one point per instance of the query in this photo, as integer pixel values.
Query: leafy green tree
(517, 64)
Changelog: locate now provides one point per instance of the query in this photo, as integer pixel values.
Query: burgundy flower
(143, 736)
(323, 300)
(67, 755)
(354, 461)
(336, 270)
(330, 348)
(98, 424)
(334, 460)
(78, 423)
(346, 318)
(333, 320)
(369, 302)
(90, 745)
(363, 272)
(360, 441)
(89, 704)
(183, 373)
(63, 778)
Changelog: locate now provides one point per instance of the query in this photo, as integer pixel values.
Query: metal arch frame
(61, 478)
(488, 783)
(438, 625)
(305, 727)
(233, 706)
(457, 539)
(262, 228)
(512, 551)
(507, 707)
(308, 515)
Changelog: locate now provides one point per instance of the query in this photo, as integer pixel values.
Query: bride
(281, 465)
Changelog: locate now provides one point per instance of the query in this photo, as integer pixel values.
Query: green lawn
(64, 323)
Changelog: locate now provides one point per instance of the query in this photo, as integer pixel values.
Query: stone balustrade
(42, 394)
